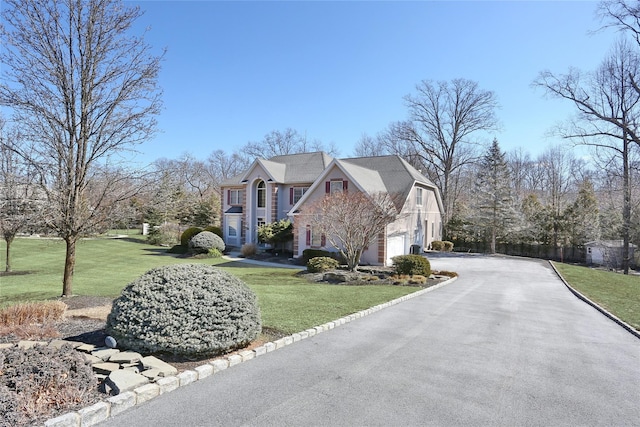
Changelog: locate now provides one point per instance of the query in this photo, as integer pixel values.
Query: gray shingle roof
(303, 167)
(396, 174)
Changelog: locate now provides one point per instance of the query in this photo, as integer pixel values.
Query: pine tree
(494, 213)
(582, 217)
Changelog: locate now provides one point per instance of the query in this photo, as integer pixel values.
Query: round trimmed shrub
(205, 241)
(215, 230)
(322, 263)
(188, 234)
(185, 309)
(412, 265)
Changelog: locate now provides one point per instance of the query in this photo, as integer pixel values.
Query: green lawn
(104, 266)
(618, 293)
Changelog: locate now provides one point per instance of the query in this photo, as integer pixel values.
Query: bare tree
(608, 104)
(19, 202)
(444, 117)
(351, 221)
(369, 146)
(222, 166)
(279, 143)
(83, 91)
(623, 15)
(184, 191)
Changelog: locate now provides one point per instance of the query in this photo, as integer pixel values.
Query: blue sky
(235, 71)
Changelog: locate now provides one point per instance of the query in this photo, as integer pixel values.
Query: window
(232, 231)
(234, 197)
(296, 193)
(315, 240)
(262, 195)
(335, 186)
(419, 196)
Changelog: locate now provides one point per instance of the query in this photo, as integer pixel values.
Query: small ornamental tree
(351, 221)
(278, 232)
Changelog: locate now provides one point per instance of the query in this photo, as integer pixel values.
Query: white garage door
(395, 246)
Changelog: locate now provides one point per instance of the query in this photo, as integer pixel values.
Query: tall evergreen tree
(582, 216)
(493, 210)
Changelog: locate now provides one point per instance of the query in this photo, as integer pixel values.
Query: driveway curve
(505, 344)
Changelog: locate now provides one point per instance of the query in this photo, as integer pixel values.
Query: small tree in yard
(84, 91)
(276, 232)
(18, 204)
(351, 221)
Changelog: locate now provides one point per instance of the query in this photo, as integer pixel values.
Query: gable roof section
(276, 171)
(366, 179)
(396, 173)
(303, 167)
(287, 169)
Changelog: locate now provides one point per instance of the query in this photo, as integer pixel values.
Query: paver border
(208, 370)
(595, 305)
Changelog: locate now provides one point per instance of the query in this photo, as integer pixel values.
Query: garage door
(395, 246)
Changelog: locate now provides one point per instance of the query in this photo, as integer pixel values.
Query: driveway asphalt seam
(633, 331)
(114, 405)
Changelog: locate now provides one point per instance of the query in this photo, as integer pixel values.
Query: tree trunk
(626, 209)
(493, 240)
(8, 256)
(69, 266)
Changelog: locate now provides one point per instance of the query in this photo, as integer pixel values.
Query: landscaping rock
(87, 348)
(121, 380)
(105, 367)
(126, 357)
(165, 369)
(153, 374)
(105, 353)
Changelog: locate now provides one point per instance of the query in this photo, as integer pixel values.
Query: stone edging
(115, 405)
(595, 305)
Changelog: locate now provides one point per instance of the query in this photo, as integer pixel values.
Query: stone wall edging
(595, 305)
(115, 405)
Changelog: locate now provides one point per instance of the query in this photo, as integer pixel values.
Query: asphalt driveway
(506, 344)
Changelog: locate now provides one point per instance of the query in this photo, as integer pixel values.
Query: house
(607, 253)
(278, 187)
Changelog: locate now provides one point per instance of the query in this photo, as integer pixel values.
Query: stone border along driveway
(595, 305)
(114, 405)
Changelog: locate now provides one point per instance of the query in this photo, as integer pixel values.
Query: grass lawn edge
(595, 305)
(239, 356)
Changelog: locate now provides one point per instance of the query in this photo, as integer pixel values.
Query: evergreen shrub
(202, 242)
(320, 264)
(412, 265)
(178, 249)
(215, 230)
(185, 309)
(448, 246)
(188, 234)
(308, 254)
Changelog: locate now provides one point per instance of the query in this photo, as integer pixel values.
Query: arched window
(262, 195)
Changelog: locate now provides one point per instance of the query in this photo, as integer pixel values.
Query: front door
(233, 230)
